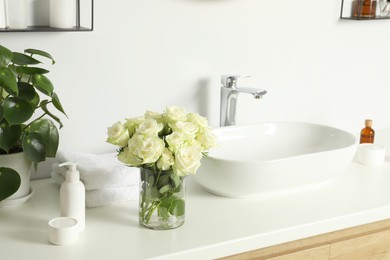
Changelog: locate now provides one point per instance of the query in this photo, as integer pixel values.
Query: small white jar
(63, 231)
(371, 154)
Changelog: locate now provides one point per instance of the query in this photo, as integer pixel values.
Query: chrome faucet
(229, 94)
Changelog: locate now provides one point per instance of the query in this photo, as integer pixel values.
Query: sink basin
(261, 159)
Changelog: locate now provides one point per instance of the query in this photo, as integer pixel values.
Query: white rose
(149, 127)
(156, 116)
(132, 123)
(173, 114)
(149, 148)
(135, 142)
(128, 157)
(187, 161)
(175, 140)
(198, 120)
(166, 160)
(118, 134)
(207, 139)
(187, 128)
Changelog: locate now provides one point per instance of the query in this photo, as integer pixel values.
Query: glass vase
(161, 200)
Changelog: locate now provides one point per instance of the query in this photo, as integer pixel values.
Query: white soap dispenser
(72, 195)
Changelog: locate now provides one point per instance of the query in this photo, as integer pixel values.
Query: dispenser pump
(72, 174)
(72, 195)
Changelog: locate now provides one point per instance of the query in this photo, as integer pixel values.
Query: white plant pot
(20, 163)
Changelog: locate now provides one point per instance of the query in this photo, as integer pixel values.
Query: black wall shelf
(364, 19)
(48, 29)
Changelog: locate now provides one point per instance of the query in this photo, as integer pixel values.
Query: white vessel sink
(256, 160)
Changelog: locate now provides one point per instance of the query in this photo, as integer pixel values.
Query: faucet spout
(229, 95)
(257, 93)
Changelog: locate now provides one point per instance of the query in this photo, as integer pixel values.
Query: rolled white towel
(110, 196)
(104, 196)
(98, 171)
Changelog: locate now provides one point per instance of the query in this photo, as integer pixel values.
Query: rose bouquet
(167, 147)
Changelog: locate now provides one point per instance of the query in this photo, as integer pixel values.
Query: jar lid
(63, 231)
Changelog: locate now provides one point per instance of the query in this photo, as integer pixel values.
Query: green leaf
(163, 180)
(152, 193)
(177, 208)
(8, 81)
(9, 182)
(49, 133)
(16, 110)
(23, 59)
(5, 56)
(35, 101)
(34, 147)
(1, 113)
(57, 103)
(166, 202)
(28, 94)
(9, 135)
(44, 108)
(41, 53)
(165, 188)
(30, 70)
(26, 91)
(163, 213)
(43, 84)
(175, 180)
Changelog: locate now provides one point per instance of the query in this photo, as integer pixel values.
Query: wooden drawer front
(373, 246)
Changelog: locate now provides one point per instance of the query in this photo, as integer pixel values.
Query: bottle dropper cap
(368, 122)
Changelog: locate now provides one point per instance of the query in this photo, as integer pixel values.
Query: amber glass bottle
(364, 8)
(367, 134)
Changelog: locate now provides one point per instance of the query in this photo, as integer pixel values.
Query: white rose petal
(175, 140)
(129, 158)
(118, 134)
(156, 116)
(135, 143)
(187, 161)
(149, 127)
(132, 123)
(149, 149)
(207, 139)
(187, 128)
(174, 114)
(197, 119)
(166, 160)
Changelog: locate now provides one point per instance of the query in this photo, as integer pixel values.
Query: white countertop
(215, 226)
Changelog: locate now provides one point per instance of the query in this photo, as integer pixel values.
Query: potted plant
(27, 125)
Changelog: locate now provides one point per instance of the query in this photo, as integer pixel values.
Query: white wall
(148, 54)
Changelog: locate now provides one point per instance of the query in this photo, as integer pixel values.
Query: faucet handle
(230, 81)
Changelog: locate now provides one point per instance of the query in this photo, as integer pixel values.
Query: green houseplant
(26, 122)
